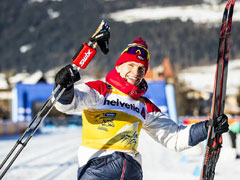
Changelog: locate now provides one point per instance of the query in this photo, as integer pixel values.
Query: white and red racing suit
(113, 114)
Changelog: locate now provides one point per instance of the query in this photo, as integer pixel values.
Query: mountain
(44, 34)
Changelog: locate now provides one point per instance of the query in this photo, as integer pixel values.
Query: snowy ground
(200, 13)
(52, 156)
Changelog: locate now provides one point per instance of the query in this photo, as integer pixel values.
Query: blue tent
(25, 95)
(163, 95)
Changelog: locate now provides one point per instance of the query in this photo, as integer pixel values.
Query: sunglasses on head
(142, 52)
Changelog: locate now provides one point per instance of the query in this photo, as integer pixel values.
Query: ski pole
(80, 61)
(29, 127)
(47, 108)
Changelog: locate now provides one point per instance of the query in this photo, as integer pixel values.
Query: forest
(54, 41)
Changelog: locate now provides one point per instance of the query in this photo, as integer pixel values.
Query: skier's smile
(132, 71)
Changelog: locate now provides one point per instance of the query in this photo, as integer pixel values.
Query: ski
(214, 140)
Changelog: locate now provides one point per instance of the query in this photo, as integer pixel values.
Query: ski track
(53, 156)
(54, 174)
(58, 154)
(62, 149)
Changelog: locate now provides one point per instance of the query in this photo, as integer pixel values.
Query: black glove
(104, 46)
(102, 38)
(220, 124)
(67, 76)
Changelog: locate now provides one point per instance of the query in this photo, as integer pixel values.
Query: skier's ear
(117, 69)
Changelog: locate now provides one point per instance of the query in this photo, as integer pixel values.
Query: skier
(113, 114)
(234, 130)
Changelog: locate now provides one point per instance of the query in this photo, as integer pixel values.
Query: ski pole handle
(83, 56)
(88, 50)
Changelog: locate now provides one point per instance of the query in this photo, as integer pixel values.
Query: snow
(3, 81)
(201, 13)
(40, 1)
(33, 78)
(18, 77)
(204, 75)
(52, 155)
(53, 14)
(24, 48)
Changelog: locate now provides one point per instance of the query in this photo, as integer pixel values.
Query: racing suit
(113, 114)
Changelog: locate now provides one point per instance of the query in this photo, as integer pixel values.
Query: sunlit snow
(40, 1)
(53, 156)
(53, 14)
(203, 13)
(201, 78)
(25, 48)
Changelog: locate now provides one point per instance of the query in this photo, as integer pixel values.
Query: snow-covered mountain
(44, 34)
(201, 78)
(200, 13)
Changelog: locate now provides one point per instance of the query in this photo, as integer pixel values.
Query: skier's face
(132, 71)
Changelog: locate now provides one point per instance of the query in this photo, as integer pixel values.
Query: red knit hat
(137, 51)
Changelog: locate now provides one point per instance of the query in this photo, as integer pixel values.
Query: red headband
(139, 56)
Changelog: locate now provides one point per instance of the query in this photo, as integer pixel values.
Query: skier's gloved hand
(67, 76)
(104, 46)
(220, 124)
(102, 38)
